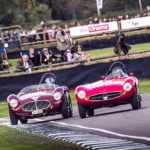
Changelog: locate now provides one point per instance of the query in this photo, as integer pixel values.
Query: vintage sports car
(115, 88)
(46, 98)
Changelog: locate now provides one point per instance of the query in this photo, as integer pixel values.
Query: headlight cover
(127, 87)
(81, 94)
(13, 103)
(57, 96)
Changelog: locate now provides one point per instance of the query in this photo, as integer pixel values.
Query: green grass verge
(144, 88)
(4, 109)
(11, 139)
(109, 51)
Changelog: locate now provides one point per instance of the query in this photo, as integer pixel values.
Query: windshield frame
(110, 76)
(39, 87)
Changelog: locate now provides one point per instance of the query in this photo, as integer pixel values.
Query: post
(140, 4)
(99, 6)
(98, 11)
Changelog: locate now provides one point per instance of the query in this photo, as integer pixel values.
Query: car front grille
(105, 96)
(36, 105)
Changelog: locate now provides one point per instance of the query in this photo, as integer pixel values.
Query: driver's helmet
(117, 73)
(50, 80)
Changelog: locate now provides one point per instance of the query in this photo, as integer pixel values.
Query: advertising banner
(135, 23)
(93, 29)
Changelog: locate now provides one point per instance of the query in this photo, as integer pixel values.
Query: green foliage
(26, 13)
(29, 13)
(6, 11)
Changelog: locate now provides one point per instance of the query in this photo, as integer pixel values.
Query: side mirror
(131, 74)
(103, 77)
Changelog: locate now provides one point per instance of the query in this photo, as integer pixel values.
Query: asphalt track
(114, 123)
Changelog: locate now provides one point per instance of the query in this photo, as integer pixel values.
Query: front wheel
(136, 101)
(82, 110)
(90, 112)
(70, 109)
(64, 107)
(24, 121)
(13, 117)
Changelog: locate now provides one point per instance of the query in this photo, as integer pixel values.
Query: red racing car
(115, 88)
(43, 99)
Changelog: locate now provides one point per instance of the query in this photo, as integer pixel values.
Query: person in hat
(69, 40)
(61, 42)
(48, 57)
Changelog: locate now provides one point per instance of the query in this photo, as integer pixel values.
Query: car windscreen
(116, 73)
(43, 86)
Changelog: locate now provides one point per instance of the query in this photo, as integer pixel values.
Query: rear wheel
(136, 101)
(90, 112)
(13, 117)
(24, 121)
(64, 108)
(82, 110)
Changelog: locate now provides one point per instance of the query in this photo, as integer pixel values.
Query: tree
(6, 11)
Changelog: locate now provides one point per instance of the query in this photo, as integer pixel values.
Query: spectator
(68, 56)
(4, 62)
(48, 57)
(80, 55)
(96, 21)
(25, 64)
(33, 33)
(30, 39)
(69, 40)
(61, 43)
(40, 33)
(1, 61)
(91, 22)
(121, 46)
(45, 30)
(35, 58)
(51, 34)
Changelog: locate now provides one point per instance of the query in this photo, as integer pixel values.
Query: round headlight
(13, 103)
(127, 87)
(57, 96)
(81, 94)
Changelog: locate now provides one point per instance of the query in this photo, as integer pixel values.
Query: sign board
(93, 29)
(135, 23)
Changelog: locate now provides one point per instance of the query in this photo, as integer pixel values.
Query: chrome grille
(105, 96)
(36, 105)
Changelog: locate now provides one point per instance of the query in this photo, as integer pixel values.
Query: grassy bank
(144, 88)
(11, 139)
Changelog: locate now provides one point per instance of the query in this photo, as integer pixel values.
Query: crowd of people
(68, 50)
(49, 33)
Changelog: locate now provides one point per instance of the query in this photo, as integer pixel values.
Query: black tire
(136, 101)
(90, 112)
(70, 109)
(24, 121)
(82, 110)
(13, 117)
(64, 108)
